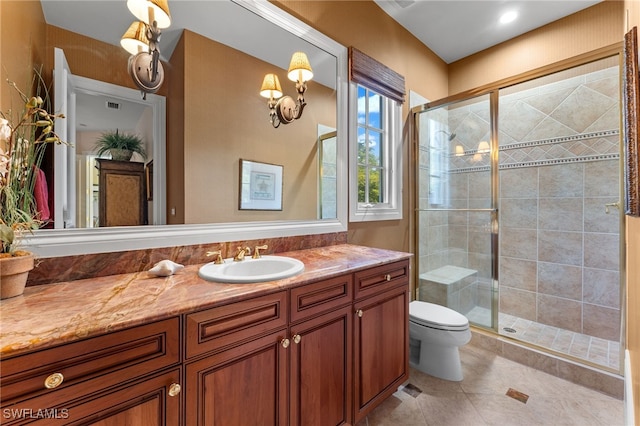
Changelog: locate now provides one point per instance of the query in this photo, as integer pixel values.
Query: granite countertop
(51, 314)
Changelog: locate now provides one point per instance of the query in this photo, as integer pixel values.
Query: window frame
(391, 207)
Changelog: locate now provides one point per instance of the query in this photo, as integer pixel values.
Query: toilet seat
(437, 316)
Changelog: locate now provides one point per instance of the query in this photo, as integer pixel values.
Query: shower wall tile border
(551, 142)
(561, 139)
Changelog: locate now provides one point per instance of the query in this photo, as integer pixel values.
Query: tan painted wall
(90, 58)
(633, 263)
(225, 119)
(175, 136)
(26, 48)
(585, 31)
(364, 25)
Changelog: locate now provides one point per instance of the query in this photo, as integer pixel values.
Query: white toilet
(435, 333)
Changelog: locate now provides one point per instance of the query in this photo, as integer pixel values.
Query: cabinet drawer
(97, 363)
(380, 278)
(216, 328)
(316, 298)
(147, 402)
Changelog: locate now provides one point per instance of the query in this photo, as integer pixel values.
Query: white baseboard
(629, 415)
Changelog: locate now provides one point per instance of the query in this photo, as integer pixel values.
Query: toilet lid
(436, 315)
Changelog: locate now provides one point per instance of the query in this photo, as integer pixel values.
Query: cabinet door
(321, 358)
(381, 348)
(245, 385)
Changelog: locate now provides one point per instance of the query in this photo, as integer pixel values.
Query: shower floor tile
(593, 349)
(483, 398)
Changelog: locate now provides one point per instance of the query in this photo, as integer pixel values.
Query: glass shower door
(456, 216)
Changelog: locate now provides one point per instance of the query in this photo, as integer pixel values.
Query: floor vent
(509, 329)
(113, 105)
(412, 390)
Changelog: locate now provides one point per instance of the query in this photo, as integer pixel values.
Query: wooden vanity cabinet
(381, 334)
(125, 377)
(323, 353)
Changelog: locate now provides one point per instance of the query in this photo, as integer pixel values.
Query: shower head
(450, 136)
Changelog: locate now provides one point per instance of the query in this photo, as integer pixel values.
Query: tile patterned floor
(598, 351)
(481, 398)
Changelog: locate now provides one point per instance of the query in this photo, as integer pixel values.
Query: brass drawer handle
(285, 343)
(296, 338)
(53, 381)
(359, 313)
(174, 389)
(387, 277)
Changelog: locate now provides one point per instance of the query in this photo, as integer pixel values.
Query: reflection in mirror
(328, 161)
(214, 117)
(224, 118)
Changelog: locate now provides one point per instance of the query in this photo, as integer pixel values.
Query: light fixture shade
(159, 8)
(271, 87)
(459, 150)
(299, 68)
(135, 38)
(483, 147)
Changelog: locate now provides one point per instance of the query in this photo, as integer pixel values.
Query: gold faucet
(241, 253)
(256, 251)
(218, 254)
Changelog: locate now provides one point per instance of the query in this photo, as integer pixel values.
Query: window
(375, 150)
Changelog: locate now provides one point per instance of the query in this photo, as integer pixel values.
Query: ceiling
(454, 29)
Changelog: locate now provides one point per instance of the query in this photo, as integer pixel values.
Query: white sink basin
(266, 268)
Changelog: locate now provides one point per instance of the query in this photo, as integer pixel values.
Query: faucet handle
(256, 251)
(218, 254)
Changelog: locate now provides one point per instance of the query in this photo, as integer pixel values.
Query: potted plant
(121, 146)
(23, 138)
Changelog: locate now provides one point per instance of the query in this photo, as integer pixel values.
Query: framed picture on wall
(260, 186)
(630, 105)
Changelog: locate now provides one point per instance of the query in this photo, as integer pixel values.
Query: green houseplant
(24, 135)
(121, 146)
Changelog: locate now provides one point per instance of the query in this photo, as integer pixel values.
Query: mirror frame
(78, 241)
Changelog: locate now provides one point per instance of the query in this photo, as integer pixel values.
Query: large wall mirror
(215, 54)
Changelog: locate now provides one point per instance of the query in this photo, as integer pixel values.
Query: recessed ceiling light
(508, 17)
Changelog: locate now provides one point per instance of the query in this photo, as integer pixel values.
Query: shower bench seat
(449, 286)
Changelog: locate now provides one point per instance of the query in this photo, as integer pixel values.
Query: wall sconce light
(284, 110)
(483, 147)
(141, 40)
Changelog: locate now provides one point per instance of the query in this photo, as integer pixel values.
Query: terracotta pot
(14, 272)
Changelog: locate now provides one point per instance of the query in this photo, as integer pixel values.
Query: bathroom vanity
(323, 347)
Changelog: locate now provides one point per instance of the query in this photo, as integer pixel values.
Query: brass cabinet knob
(285, 343)
(296, 338)
(359, 313)
(174, 389)
(387, 277)
(53, 381)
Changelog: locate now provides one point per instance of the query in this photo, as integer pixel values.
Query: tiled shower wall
(559, 167)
